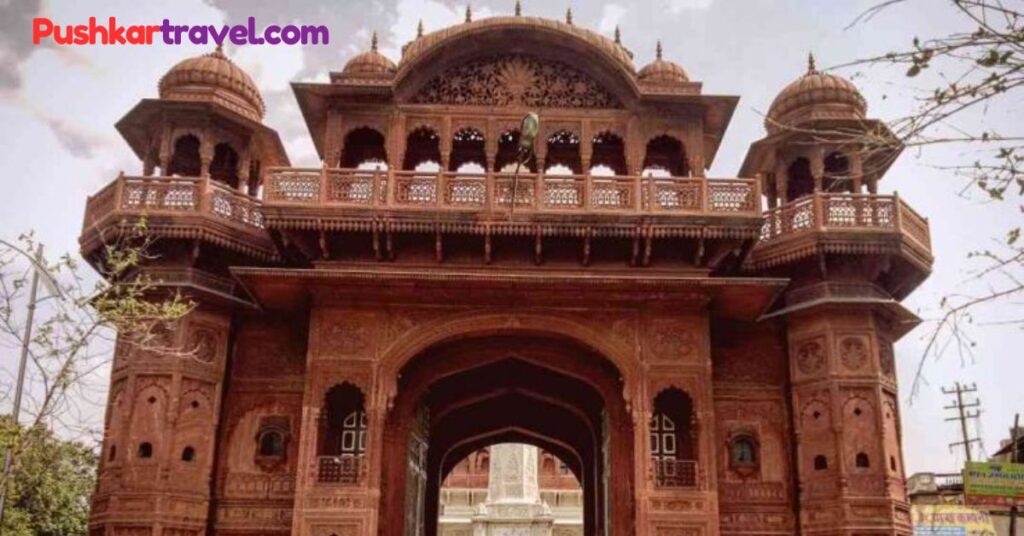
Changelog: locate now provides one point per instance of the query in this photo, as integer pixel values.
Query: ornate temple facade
(706, 356)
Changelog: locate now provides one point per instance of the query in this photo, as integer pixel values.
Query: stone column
(513, 503)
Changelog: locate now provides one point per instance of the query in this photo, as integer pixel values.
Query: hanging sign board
(950, 520)
(994, 483)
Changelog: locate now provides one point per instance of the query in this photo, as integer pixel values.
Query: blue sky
(58, 107)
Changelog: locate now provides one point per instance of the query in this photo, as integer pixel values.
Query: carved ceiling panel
(510, 80)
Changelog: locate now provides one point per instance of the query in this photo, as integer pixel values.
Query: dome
(816, 95)
(663, 71)
(213, 77)
(370, 64)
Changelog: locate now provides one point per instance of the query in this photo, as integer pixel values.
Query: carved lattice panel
(516, 80)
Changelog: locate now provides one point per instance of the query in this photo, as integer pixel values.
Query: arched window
(609, 152)
(820, 463)
(800, 182)
(185, 158)
(363, 145)
(508, 154)
(743, 452)
(837, 174)
(224, 167)
(668, 154)
(422, 145)
(188, 454)
(564, 150)
(862, 461)
(468, 148)
(342, 435)
(271, 443)
(892, 463)
(145, 450)
(673, 445)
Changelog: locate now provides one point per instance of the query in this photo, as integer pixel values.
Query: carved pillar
(857, 171)
(334, 140)
(843, 399)
(205, 155)
(244, 168)
(781, 179)
(695, 161)
(162, 418)
(817, 161)
(586, 147)
(399, 138)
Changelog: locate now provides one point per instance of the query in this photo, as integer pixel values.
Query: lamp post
(528, 129)
(51, 285)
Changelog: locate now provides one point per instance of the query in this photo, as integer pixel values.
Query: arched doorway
(459, 397)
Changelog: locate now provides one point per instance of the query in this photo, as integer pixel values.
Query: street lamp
(54, 289)
(528, 129)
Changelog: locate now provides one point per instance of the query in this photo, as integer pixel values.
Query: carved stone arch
(436, 55)
(186, 406)
(414, 123)
(815, 415)
(476, 324)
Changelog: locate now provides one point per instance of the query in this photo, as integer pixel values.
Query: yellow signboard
(994, 483)
(950, 520)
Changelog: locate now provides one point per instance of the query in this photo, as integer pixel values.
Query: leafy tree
(975, 70)
(50, 485)
(77, 319)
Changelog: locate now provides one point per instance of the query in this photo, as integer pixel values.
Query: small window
(188, 454)
(862, 460)
(145, 450)
(744, 451)
(271, 444)
(892, 463)
(820, 463)
(112, 455)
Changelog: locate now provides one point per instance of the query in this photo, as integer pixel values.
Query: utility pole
(963, 413)
(1014, 449)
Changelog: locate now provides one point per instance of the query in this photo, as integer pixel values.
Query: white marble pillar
(513, 505)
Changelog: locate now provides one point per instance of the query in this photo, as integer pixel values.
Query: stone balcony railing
(486, 195)
(342, 469)
(672, 473)
(178, 207)
(842, 223)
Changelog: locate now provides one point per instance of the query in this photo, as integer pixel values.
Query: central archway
(457, 397)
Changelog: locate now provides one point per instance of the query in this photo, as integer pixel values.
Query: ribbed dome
(815, 95)
(216, 78)
(663, 71)
(370, 64)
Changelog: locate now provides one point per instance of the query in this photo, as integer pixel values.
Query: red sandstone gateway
(701, 365)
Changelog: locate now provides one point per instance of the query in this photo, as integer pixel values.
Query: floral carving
(516, 80)
(673, 340)
(886, 360)
(203, 345)
(810, 357)
(853, 353)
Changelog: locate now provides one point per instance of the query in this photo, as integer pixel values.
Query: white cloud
(435, 15)
(611, 15)
(675, 7)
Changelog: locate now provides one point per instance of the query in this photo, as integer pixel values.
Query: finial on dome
(657, 51)
(419, 29)
(220, 48)
(810, 63)
(469, 13)
(519, 8)
(618, 35)
(373, 41)
(568, 16)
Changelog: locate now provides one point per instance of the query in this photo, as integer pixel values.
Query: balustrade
(495, 191)
(860, 213)
(343, 469)
(672, 473)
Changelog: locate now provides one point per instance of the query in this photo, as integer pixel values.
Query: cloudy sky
(58, 144)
